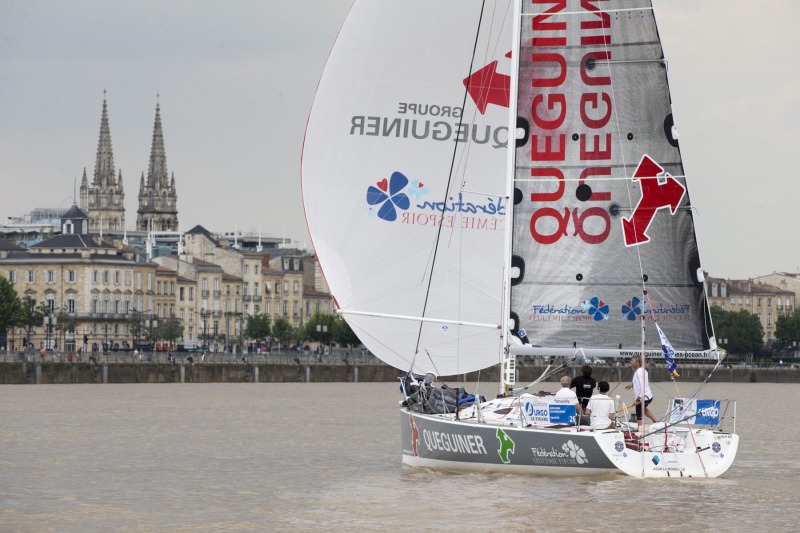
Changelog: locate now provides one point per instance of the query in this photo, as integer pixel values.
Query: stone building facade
(90, 284)
(766, 301)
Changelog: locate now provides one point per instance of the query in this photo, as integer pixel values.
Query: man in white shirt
(641, 386)
(601, 408)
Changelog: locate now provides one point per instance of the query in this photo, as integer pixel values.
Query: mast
(509, 359)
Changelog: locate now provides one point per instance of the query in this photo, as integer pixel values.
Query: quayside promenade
(294, 367)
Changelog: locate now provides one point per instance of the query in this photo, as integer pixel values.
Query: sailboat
(491, 179)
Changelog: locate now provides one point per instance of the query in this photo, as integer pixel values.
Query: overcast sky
(236, 80)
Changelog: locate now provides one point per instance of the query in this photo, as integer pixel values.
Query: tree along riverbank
(311, 369)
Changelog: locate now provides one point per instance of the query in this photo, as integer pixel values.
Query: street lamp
(323, 329)
(204, 316)
(49, 322)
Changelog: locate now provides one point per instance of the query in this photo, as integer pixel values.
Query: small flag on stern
(666, 347)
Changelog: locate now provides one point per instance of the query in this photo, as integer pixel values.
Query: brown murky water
(308, 457)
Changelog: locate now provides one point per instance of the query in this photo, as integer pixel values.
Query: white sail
(394, 161)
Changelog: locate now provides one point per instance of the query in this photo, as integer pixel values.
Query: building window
(117, 277)
(95, 276)
(769, 302)
(149, 281)
(286, 287)
(12, 276)
(139, 280)
(246, 288)
(255, 269)
(50, 276)
(294, 308)
(127, 278)
(216, 284)
(71, 304)
(30, 276)
(180, 293)
(106, 276)
(71, 276)
(285, 308)
(191, 294)
(246, 269)
(205, 284)
(296, 287)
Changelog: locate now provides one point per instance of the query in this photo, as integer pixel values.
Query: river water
(326, 456)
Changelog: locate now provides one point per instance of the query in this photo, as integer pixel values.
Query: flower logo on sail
(596, 308)
(388, 194)
(633, 308)
(417, 190)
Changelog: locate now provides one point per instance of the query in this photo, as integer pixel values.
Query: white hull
(440, 441)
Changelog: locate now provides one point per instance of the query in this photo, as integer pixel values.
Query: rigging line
(450, 175)
(593, 178)
(588, 12)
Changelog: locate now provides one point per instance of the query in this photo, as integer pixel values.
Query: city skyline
(235, 84)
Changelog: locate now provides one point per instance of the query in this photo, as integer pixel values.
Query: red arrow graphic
(655, 195)
(486, 86)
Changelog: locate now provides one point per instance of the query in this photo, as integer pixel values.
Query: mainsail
(603, 228)
(404, 177)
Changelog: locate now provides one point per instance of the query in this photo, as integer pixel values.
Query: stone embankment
(314, 372)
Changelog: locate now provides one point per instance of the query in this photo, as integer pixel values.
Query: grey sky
(236, 81)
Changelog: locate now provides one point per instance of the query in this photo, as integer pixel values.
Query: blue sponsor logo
(707, 413)
(388, 196)
(633, 308)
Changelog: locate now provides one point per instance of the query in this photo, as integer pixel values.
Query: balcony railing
(217, 294)
(257, 298)
(247, 298)
(204, 294)
(102, 316)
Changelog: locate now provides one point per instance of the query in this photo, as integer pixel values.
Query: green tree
(169, 330)
(65, 323)
(325, 321)
(742, 331)
(10, 305)
(136, 326)
(257, 327)
(31, 315)
(787, 332)
(344, 334)
(282, 330)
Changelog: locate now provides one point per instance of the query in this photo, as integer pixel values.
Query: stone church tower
(104, 199)
(158, 200)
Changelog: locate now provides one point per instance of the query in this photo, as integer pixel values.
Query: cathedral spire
(157, 177)
(158, 202)
(104, 163)
(104, 199)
